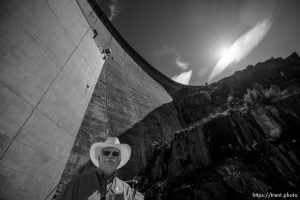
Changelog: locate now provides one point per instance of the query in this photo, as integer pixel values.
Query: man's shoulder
(122, 182)
(83, 185)
(87, 177)
(129, 191)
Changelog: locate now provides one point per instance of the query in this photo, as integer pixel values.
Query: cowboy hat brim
(98, 146)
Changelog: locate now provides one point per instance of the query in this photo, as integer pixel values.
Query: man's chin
(110, 163)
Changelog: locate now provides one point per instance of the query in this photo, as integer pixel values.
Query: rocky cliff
(230, 156)
(195, 103)
(239, 138)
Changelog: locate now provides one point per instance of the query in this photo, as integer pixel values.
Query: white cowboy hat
(110, 142)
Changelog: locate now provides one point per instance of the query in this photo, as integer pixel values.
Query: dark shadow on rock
(233, 156)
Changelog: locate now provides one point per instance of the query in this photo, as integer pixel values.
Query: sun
(229, 54)
(225, 52)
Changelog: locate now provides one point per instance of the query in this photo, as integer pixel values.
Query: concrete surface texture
(125, 95)
(50, 65)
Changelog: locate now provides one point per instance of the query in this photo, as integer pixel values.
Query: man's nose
(110, 156)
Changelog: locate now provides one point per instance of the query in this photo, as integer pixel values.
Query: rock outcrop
(239, 138)
(198, 102)
(231, 156)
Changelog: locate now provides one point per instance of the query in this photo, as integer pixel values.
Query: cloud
(181, 64)
(242, 47)
(167, 50)
(183, 78)
(115, 9)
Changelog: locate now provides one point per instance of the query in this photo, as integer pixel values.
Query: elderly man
(103, 184)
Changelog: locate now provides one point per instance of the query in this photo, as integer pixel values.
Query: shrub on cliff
(260, 95)
(254, 96)
(274, 93)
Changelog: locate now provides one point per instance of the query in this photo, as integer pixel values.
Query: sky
(197, 41)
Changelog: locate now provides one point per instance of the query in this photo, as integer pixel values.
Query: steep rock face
(230, 156)
(196, 103)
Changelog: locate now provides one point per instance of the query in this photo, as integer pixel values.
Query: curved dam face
(59, 95)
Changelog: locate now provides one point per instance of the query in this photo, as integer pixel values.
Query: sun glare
(228, 55)
(223, 51)
(241, 47)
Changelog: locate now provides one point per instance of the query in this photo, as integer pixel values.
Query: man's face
(109, 159)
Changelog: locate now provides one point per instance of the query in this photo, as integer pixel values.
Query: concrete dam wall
(58, 95)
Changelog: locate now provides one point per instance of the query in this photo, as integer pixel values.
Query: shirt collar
(101, 174)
